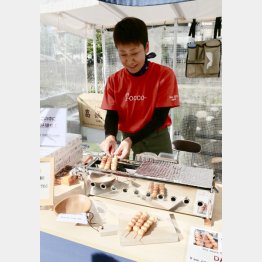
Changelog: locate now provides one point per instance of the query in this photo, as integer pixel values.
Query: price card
(80, 218)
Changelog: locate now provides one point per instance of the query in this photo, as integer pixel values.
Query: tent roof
(82, 16)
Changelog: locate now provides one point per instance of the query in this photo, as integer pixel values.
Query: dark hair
(130, 30)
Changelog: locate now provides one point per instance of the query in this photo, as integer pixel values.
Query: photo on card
(205, 239)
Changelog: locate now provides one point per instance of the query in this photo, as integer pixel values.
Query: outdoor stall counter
(83, 243)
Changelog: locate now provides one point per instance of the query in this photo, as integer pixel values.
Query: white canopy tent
(82, 16)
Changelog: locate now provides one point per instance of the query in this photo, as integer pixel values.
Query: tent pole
(86, 80)
(104, 56)
(95, 59)
(171, 132)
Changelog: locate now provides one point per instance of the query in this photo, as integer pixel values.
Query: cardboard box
(90, 113)
(70, 154)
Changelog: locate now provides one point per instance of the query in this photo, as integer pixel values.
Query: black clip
(192, 30)
(218, 26)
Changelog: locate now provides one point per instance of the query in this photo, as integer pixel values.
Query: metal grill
(180, 174)
(162, 170)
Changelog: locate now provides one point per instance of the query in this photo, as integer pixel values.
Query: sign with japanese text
(53, 126)
(46, 181)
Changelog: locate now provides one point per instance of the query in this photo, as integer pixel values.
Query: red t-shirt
(136, 97)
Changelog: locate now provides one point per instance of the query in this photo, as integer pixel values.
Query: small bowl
(74, 204)
(101, 178)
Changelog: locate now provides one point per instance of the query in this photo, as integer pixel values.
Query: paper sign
(204, 245)
(207, 202)
(53, 126)
(80, 218)
(46, 181)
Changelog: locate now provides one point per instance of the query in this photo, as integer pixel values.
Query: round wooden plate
(74, 204)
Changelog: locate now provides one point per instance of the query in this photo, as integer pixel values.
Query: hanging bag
(204, 57)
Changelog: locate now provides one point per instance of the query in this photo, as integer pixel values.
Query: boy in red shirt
(139, 96)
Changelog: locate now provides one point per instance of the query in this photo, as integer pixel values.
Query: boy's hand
(124, 148)
(109, 145)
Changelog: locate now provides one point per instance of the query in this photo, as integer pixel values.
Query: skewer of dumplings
(145, 227)
(114, 163)
(132, 222)
(103, 162)
(108, 163)
(150, 188)
(155, 190)
(161, 190)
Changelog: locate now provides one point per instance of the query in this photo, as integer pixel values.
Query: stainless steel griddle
(162, 170)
